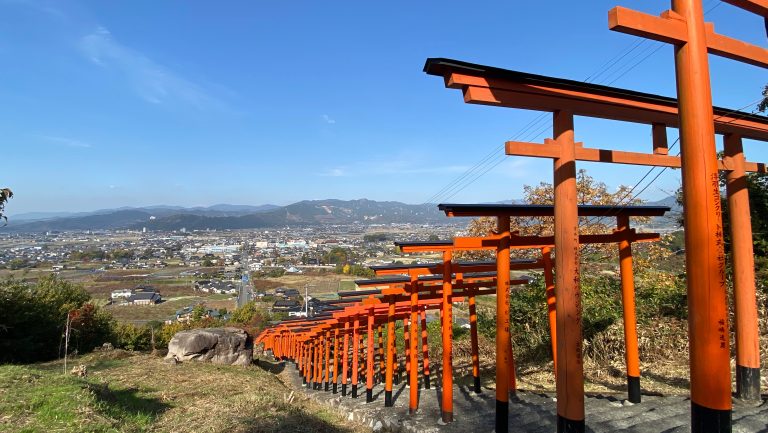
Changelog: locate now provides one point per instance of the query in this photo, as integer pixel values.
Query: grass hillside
(126, 392)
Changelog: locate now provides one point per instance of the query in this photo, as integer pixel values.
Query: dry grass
(162, 311)
(318, 283)
(127, 392)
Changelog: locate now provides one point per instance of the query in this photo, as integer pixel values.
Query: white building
(122, 293)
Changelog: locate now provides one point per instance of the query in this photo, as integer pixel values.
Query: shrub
(132, 337)
(33, 318)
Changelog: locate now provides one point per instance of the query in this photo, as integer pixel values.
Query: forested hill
(308, 212)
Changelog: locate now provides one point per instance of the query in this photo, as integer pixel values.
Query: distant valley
(222, 217)
(226, 216)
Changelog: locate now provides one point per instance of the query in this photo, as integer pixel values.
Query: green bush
(132, 337)
(33, 318)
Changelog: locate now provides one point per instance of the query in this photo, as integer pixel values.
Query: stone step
(530, 411)
(651, 413)
(679, 422)
(615, 410)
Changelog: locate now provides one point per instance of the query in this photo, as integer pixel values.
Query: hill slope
(220, 217)
(127, 392)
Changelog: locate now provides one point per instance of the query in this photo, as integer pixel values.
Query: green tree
(132, 337)
(15, 264)
(198, 312)
(252, 317)
(337, 255)
(32, 319)
(763, 105)
(90, 327)
(588, 191)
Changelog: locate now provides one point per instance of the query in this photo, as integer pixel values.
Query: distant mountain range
(226, 216)
(160, 210)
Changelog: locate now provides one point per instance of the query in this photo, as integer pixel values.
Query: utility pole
(66, 340)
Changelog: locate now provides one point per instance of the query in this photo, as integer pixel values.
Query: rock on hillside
(231, 346)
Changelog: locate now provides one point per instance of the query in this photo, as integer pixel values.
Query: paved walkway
(529, 411)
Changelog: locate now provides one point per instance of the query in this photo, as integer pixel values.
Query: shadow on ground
(272, 367)
(121, 403)
(289, 420)
(677, 382)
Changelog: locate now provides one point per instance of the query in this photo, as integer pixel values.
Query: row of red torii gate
(313, 343)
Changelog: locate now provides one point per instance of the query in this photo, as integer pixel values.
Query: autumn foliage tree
(33, 315)
(589, 192)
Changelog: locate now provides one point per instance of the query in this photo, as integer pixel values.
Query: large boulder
(231, 346)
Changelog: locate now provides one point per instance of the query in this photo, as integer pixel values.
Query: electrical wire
(490, 161)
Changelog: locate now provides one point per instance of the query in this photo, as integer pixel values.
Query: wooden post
(382, 363)
(475, 348)
(570, 369)
(335, 360)
(345, 359)
(407, 347)
(503, 351)
(390, 354)
(355, 354)
(425, 347)
(744, 296)
(704, 253)
(369, 365)
(318, 371)
(412, 340)
(549, 282)
(631, 353)
(327, 378)
(447, 370)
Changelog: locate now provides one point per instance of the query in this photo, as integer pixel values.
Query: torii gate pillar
(705, 256)
(745, 302)
(569, 376)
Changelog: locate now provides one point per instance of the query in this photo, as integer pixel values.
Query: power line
(489, 161)
(663, 169)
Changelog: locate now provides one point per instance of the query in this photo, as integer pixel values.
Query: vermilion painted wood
(425, 347)
(345, 359)
(482, 88)
(705, 258)
(631, 353)
(759, 7)
(744, 293)
(570, 369)
(411, 339)
(447, 329)
(549, 283)
(671, 28)
(355, 354)
(549, 150)
(369, 364)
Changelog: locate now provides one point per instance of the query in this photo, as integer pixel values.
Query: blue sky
(108, 104)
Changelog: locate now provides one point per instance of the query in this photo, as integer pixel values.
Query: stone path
(529, 411)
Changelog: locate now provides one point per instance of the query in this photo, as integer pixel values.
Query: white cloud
(154, 82)
(64, 141)
(328, 119)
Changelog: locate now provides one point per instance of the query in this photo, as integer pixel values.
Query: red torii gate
(308, 355)
(458, 268)
(684, 27)
(410, 287)
(503, 240)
